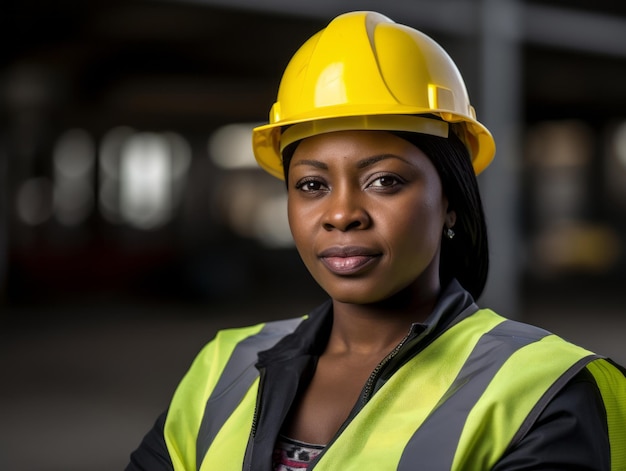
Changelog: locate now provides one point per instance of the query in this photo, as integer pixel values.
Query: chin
(358, 297)
(359, 301)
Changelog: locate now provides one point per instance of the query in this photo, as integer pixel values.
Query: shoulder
(519, 334)
(504, 327)
(527, 354)
(581, 406)
(264, 330)
(571, 432)
(242, 344)
(261, 335)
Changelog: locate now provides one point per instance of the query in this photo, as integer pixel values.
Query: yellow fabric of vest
(509, 399)
(613, 390)
(187, 407)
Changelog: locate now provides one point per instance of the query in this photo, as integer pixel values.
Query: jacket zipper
(364, 397)
(369, 385)
(247, 462)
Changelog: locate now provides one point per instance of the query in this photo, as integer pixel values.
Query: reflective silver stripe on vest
(442, 430)
(235, 381)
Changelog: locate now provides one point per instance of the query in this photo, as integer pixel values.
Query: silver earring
(449, 233)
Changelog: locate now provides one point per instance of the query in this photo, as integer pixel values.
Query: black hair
(465, 256)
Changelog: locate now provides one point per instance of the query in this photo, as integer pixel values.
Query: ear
(450, 219)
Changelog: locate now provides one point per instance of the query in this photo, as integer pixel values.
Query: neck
(379, 327)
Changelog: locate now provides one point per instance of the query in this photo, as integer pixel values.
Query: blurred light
(110, 150)
(142, 176)
(560, 154)
(576, 247)
(145, 191)
(74, 158)
(109, 165)
(230, 146)
(254, 205)
(241, 204)
(271, 225)
(34, 201)
(560, 144)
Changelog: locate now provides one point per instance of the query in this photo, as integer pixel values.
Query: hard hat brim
(268, 141)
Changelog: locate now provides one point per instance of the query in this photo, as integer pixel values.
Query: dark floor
(78, 392)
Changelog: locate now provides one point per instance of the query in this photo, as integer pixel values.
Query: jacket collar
(311, 336)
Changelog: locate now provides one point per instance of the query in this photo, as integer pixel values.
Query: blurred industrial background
(133, 222)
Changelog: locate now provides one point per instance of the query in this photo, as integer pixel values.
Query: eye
(385, 181)
(310, 185)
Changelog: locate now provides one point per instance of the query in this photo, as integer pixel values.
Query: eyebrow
(364, 163)
(312, 163)
(377, 158)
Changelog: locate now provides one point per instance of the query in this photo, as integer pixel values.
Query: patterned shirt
(293, 455)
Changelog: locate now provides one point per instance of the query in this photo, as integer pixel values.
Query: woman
(378, 144)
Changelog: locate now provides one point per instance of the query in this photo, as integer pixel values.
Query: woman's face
(367, 211)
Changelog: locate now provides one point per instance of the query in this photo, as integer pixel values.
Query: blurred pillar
(4, 216)
(500, 111)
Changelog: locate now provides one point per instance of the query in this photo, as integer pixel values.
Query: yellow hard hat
(364, 71)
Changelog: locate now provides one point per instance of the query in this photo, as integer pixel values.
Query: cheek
(297, 223)
(425, 210)
(435, 207)
(418, 228)
(292, 220)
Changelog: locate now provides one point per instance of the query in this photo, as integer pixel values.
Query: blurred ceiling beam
(583, 31)
(592, 32)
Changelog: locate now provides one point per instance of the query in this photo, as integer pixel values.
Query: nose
(345, 212)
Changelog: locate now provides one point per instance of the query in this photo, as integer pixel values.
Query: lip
(348, 260)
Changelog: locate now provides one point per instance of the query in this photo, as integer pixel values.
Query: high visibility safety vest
(458, 404)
